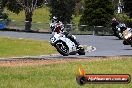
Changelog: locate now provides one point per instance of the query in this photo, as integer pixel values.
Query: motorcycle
(63, 44)
(119, 31)
(127, 37)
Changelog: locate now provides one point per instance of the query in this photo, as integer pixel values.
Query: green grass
(41, 19)
(63, 75)
(40, 15)
(20, 47)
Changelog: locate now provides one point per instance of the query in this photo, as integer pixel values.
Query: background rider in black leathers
(114, 24)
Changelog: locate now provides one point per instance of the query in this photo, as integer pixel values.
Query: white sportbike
(64, 45)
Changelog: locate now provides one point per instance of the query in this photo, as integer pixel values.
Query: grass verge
(63, 75)
(40, 15)
(11, 47)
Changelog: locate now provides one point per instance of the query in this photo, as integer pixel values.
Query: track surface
(105, 45)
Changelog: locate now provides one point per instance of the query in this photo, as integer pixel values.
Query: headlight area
(127, 36)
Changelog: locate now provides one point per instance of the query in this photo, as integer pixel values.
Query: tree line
(93, 12)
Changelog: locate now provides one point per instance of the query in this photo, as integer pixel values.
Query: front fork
(129, 41)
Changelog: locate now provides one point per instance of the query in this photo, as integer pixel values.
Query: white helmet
(55, 18)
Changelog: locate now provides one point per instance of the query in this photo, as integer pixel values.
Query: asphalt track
(105, 45)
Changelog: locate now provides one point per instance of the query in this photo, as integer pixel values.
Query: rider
(54, 22)
(68, 35)
(114, 24)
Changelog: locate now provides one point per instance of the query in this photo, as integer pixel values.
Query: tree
(79, 8)
(63, 9)
(2, 14)
(128, 7)
(115, 3)
(28, 6)
(97, 12)
(1, 6)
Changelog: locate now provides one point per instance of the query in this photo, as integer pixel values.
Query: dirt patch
(30, 62)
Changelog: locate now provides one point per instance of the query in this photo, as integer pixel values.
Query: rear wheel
(73, 53)
(81, 51)
(62, 48)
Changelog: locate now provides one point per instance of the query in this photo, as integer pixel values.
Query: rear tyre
(73, 53)
(62, 48)
(81, 51)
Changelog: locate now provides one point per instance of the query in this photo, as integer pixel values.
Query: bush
(3, 16)
(129, 22)
(97, 13)
(123, 18)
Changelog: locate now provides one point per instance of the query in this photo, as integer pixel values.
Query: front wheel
(62, 48)
(125, 42)
(119, 35)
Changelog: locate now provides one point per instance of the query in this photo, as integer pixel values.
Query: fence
(92, 30)
(21, 25)
(75, 29)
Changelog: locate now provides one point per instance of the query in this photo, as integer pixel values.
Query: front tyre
(119, 35)
(62, 48)
(125, 42)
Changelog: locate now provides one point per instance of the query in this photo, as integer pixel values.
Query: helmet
(55, 18)
(114, 19)
(122, 26)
